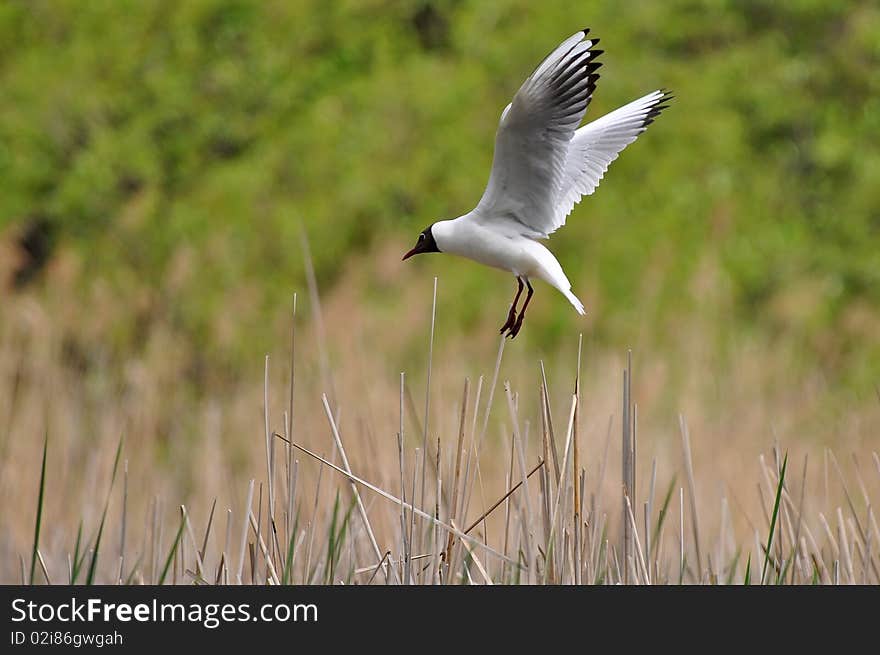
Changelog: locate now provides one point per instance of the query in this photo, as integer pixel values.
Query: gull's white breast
(506, 249)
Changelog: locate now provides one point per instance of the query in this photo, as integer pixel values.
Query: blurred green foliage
(222, 129)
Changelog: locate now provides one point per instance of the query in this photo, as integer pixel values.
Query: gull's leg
(511, 315)
(522, 313)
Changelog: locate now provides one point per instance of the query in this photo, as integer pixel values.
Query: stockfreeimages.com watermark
(209, 615)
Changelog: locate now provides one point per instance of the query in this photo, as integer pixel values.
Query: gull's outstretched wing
(597, 144)
(532, 143)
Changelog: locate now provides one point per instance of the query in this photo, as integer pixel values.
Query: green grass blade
(288, 561)
(780, 578)
(343, 530)
(78, 558)
(663, 510)
(748, 577)
(130, 578)
(39, 521)
(517, 573)
(93, 565)
(600, 570)
(331, 540)
(774, 517)
(336, 537)
(173, 550)
(291, 545)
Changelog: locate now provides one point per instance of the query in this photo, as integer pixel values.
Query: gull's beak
(415, 251)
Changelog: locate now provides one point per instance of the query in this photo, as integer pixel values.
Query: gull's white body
(521, 255)
(543, 165)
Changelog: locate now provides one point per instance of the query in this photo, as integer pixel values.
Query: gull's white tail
(573, 299)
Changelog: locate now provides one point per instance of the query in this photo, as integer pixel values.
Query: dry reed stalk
(546, 483)
(224, 567)
(549, 418)
(289, 427)
(418, 512)
(273, 576)
(270, 444)
(509, 492)
(200, 567)
(421, 500)
(122, 533)
(491, 397)
(561, 483)
(596, 497)
(436, 560)
(318, 318)
(307, 578)
(456, 478)
(638, 549)
(244, 531)
(692, 493)
(402, 469)
(467, 483)
(486, 577)
(626, 465)
(378, 566)
(477, 448)
(873, 523)
(357, 496)
(844, 546)
(575, 468)
(649, 509)
(507, 505)
(681, 535)
(204, 548)
(521, 461)
(862, 533)
(417, 455)
(42, 564)
(868, 558)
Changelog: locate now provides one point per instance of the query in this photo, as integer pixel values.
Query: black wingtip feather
(654, 112)
(573, 78)
(574, 66)
(577, 86)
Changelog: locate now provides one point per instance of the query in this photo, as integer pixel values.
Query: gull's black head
(425, 244)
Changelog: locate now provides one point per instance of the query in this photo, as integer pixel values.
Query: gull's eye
(421, 237)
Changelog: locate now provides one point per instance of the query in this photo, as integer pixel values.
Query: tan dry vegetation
(182, 447)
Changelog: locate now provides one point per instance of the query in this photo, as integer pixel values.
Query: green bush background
(224, 129)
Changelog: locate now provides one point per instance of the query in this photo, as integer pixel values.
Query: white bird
(543, 165)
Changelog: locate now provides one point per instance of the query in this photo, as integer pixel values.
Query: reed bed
(501, 487)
